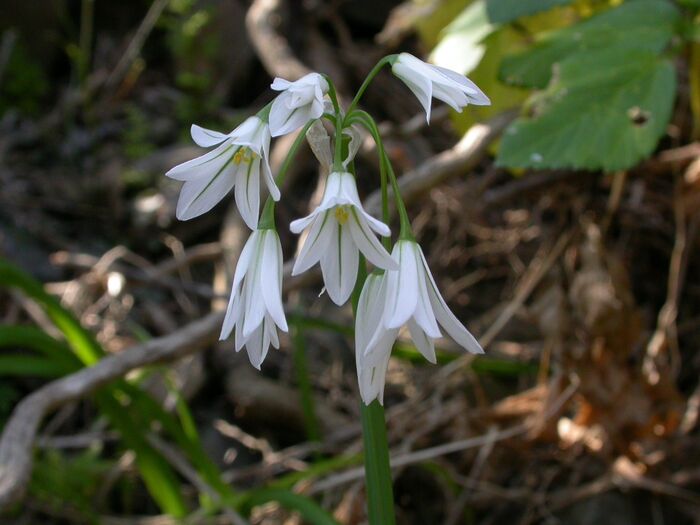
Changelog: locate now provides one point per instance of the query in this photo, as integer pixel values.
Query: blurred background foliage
(96, 100)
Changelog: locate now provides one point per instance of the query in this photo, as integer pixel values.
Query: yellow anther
(239, 156)
(342, 214)
(244, 155)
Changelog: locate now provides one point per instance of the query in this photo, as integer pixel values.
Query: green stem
(385, 166)
(389, 59)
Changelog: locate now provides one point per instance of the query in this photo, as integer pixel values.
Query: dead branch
(262, 21)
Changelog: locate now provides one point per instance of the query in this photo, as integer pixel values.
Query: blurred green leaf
(504, 11)
(636, 25)
(30, 366)
(606, 110)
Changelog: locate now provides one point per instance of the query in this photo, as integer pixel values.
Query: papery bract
(255, 307)
(236, 162)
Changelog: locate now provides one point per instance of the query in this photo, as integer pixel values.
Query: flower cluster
(399, 292)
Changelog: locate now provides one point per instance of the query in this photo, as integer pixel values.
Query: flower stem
(370, 76)
(364, 118)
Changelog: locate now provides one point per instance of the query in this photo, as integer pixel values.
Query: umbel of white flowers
(401, 291)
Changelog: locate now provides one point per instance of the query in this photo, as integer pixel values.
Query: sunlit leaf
(606, 110)
(637, 25)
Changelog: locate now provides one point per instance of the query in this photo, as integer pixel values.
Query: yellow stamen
(342, 214)
(244, 155)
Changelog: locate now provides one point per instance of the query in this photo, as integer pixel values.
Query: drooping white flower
(255, 307)
(427, 81)
(408, 296)
(338, 229)
(299, 102)
(236, 162)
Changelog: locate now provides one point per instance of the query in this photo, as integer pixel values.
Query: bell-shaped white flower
(255, 307)
(299, 102)
(338, 229)
(388, 301)
(427, 81)
(236, 162)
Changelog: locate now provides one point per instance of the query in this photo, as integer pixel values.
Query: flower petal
(402, 289)
(280, 84)
(206, 138)
(248, 192)
(447, 319)
(203, 166)
(315, 244)
(420, 85)
(425, 344)
(368, 244)
(270, 278)
(201, 195)
(424, 315)
(371, 368)
(339, 265)
(232, 313)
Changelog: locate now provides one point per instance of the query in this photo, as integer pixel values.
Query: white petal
(371, 368)
(339, 265)
(284, 119)
(201, 195)
(232, 311)
(425, 344)
(299, 225)
(476, 96)
(368, 243)
(418, 84)
(248, 192)
(244, 258)
(269, 278)
(424, 315)
(206, 138)
(369, 308)
(204, 166)
(402, 287)
(447, 319)
(280, 84)
(270, 181)
(257, 345)
(255, 304)
(315, 244)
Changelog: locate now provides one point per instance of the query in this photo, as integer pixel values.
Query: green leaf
(606, 110)
(504, 11)
(636, 25)
(80, 340)
(30, 366)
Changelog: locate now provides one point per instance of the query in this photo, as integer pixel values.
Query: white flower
(337, 229)
(299, 102)
(255, 307)
(236, 162)
(395, 298)
(427, 81)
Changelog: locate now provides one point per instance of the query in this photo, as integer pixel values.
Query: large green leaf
(504, 11)
(635, 25)
(606, 110)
